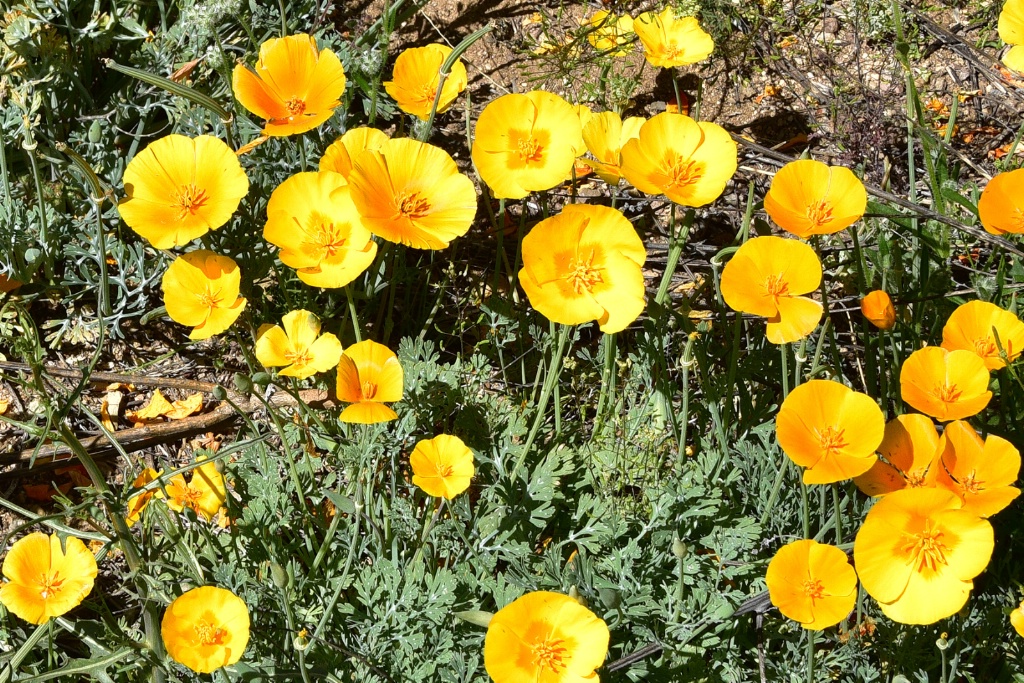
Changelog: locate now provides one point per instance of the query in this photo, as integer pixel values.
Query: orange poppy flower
(690, 162)
(670, 42)
(179, 188)
(910, 447)
(584, 264)
(1011, 32)
(981, 473)
(877, 307)
(808, 198)
(948, 385)
(610, 33)
(766, 276)
(338, 157)
(312, 218)
(546, 637)
(604, 135)
(412, 193)
(417, 72)
(1001, 206)
(204, 493)
(296, 87)
(442, 466)
(918, 552)
(206, 628)
(298, 346)
(970, 327)
(812, 583)
(369, 375)
(45, 578)
(201, 290)
(830, 429)
(526, 143)
(138, 502)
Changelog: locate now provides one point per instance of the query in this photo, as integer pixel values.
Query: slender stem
(839, 513)
(607, 378)
(428, 526)
(499, 227)
(684, 413)
(352, 313)
(810, 655)
(784, 354)
(677, 239)
(292, 632)
(12, 665)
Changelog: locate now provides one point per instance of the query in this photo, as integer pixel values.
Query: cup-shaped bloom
(44, 580)
(546, 637)
(669, 41)
(974, 325)
(1017, 619)
(442, 466)
(981, 473)
(413, 83)
(312, 218)
(812, 584)
(918, 552)
(609, 33)
(808, 198)
(296, 87)
(178, 188)
(585, 264)
(766, 277)
(205, 492)
(412, 193)
(201, 290)
(877, 307)
(830, 429)
(138, 502)
(299, 346)
(948, 385)
(338, 157)
(1011, 32)
(526, 143)
(605, 134)
(369, 375)
(1001, 206)
(206, 628)
(910, 447)
(689, 162)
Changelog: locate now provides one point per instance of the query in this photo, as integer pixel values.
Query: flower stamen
(189, 199)
(50, 585)
(582, 275)
(549, 654)
(819, 213)
(926, 549)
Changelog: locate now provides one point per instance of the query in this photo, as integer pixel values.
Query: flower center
(775, 286)
(208, 634)
(211, 299)
(412, 205)
(298, 357)
(926, 549)
(548, 654)
(190, 496)
(971, 485)
(369, 390)
(832, 439)
(985, 347)
(672, 50)
(295, 106)
(444, 470)
(325, 236)
(814, 589)
(947, 393)
(428, 93)
(189, 199)
(49, 585)
(916, 479)
(819, 213)
(530, 149)
(583, 275)
(683, 172)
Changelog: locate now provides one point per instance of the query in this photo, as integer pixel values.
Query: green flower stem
(29, 146)
(292, 632)
(352, 313)
(685, 363)
(12, 664)
(352, 546)
(446, 70)
(607, 378)
(514, 275)
(428, 526)
(839, 513)
(288, 452)
(810, 655)
(676, 242)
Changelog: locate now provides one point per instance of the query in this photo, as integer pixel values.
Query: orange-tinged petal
(206, 628)
(669, 42)
(981, 473)
(877, 307)
(974, 325)
(219, 320)
(812, 583)
(910, 447)
(442, 466)
(369, 374)
(338, 157)
(797, 318)
(201, 289)
(1001, 206)
(367, 412)
(414, 81)
(948, 385)
(764, 270)
(46, 580)
(273, 347)
(808, 198)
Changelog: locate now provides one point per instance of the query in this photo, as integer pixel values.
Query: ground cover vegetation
(335, 350)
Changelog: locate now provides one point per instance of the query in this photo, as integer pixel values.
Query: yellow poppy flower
(970, 327)
(584, 264)
(605, 134)
(812, 584)
(138, 502)
(910, 447)
(296, 87)
(413, 83)
(412, 193)
(766, 276)
(299, 346)
(981, 473)
(369, 375)
(313, 220)
(669, 41)
(830, 429)
(526, 143)
(545, 637)
(442, 466)
(877, 307)
(1011, 32)
(948, 385)
(1001, 206)
(338, 157)
(808, 198)
(44, 580)
(204, 493)
(1017, 619)
(206, 628)
(201, 290)
(917, 553)
(178, 188)
(611, 34)
(690, 162)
